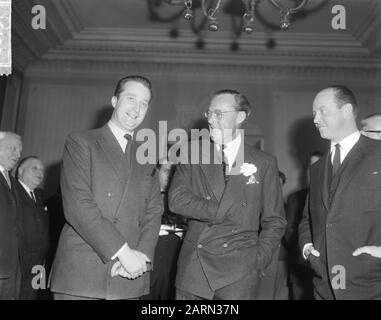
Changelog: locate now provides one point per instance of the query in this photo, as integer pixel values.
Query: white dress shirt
(119, 134)
(231, 150)
(346, 145)
(27, 189)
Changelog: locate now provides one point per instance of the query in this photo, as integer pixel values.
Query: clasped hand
(131, 264)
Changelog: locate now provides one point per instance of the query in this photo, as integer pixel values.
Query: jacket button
(208, 198)
(244, 204)
(225, 245)
(234, 231)
(116, 220)
(199, 246)
(109, 194)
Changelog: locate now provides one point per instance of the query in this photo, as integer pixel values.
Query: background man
(10, 233)
(34, 221)
(237, 221)
(344, 206)
(371, 126)
(112, 205)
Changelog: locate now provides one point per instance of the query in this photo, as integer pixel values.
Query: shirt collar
(28, 190)
(2, 168)
(348, 142)
(231, 149)
(117, 131)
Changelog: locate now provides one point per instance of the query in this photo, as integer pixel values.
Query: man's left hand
(371, 250)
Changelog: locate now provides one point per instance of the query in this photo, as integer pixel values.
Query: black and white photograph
(204, 152)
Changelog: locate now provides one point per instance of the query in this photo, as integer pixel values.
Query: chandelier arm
(212, 11)
(290, 10)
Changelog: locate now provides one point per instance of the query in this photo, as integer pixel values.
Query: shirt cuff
(119, 251)
(304, 250)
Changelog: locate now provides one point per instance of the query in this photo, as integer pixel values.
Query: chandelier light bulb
(213, 26)
(188, 14)
(248, 29)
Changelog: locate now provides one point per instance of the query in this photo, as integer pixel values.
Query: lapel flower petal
(248, 170)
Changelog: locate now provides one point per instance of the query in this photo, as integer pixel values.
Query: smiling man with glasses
(224, 253)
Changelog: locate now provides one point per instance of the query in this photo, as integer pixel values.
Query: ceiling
(122, 29)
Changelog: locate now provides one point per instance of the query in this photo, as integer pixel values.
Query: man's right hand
(308, 250)
(134, 262)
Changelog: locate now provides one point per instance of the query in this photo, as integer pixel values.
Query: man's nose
(17, 153)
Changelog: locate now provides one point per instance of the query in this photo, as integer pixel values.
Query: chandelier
(244, 9)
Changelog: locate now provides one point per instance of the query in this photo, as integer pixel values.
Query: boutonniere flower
(248, 170)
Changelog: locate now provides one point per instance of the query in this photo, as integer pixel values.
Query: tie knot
(128, 137)
(337, 146)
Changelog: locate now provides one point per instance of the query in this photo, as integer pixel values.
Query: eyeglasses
(208, 114)
(372, 131)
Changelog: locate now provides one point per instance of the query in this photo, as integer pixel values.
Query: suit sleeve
(273, 222)
(183, 201)
(150, 225)
(304, 229)
(80, 208)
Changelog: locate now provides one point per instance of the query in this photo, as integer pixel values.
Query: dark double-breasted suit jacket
(106, 204)
(10, 229)
(234, 229)
(342, 218)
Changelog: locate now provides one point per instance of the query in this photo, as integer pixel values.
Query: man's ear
(114, 100)
(241, 117)
(348, 109)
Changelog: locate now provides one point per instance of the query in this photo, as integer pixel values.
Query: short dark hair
(22, 162)
(243, 103)
(136, 78)
(344, 95)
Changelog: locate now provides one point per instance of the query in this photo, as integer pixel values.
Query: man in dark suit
(235, 206)
(10, 232)
(112, 205)
(343, 211)
(34, 222)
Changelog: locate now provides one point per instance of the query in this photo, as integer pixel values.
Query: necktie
(336, 159)
(33, 196)
(6, 176)
(225, 166)
(127, 151)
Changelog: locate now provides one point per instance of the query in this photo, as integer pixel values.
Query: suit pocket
(316, 265)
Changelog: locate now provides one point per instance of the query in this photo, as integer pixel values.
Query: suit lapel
(237, 182)
(324, 174)
(347, 169)
(136, 177)
(113, 153)
(213, 172)
(3, 181)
